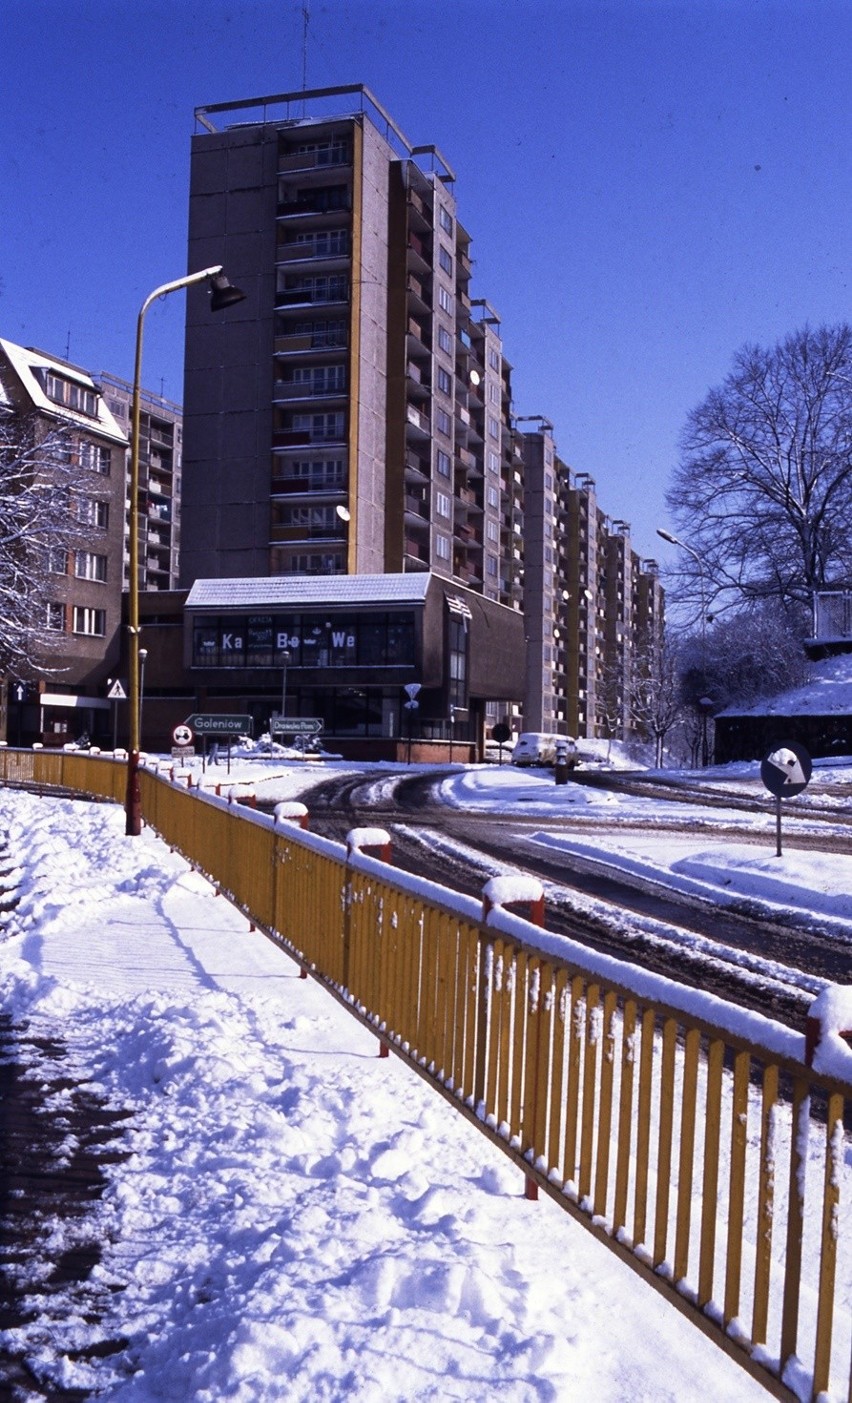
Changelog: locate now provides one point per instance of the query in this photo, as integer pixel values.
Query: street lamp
(705, 703)
(143, 654)
(222, 295)
(285, 658)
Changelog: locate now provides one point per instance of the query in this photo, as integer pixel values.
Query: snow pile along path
(297, 1218)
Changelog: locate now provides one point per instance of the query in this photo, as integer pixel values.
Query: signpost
(785, 771)
(219, 724)
(501, 733)
(115, 694)
(411, 689)
(294, 725)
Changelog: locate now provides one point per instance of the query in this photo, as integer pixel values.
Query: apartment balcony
(416, 509)
(320, 160)
(419, 296)
(419, 214)
(296, 535)
(317, 251)
(465, 571)
(467, 535)
(419, 467)
(306, 297)
(464, 267)
(318, 339)
(286, 392)
(416, 553)
(320, 483)
(469, 499)
(314, 207)
(419, 256)
(419, 341)
(308, 438)
(418, 386)
(418, 424)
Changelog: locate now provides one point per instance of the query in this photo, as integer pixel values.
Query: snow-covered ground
(299, 1219)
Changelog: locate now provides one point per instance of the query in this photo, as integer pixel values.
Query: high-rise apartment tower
(353, 416)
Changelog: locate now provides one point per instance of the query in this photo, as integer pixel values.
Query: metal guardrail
(688, 1135)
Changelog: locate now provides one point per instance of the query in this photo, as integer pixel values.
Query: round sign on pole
(182, 735)
(501, 733)
(786, 770)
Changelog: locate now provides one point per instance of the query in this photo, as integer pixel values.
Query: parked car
(539, 748)
(494, 753)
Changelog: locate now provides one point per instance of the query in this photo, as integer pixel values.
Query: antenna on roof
(306, 15)
(68, 345)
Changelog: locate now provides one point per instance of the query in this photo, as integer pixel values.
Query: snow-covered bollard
(374, 841)
(828, 1032)
(242, 796)
(518, 890)
(291, 811)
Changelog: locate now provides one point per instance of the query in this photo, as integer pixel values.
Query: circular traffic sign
(182, 735)
(786, 770)
(501, 733)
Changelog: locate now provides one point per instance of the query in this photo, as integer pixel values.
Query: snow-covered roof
(305, 590)
(25, 362)
(828, 692)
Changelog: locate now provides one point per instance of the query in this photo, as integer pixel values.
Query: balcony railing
(318, 339)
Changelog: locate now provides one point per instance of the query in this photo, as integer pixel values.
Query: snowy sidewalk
(298, 1219)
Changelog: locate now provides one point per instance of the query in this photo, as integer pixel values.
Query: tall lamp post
(222, 295)
(143, 654)
(704, 703)
(285, 658)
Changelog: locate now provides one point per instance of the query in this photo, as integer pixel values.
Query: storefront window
(311, 640)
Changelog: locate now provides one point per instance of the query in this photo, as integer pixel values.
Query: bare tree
(36, 519)
(763, 490)
(656, 704)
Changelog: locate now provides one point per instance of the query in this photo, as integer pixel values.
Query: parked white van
(539, 748)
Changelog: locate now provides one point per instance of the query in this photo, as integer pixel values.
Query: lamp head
(223, 293)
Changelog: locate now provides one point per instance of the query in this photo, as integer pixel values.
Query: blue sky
(648, 183)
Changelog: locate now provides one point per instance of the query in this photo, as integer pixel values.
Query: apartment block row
(351, 511)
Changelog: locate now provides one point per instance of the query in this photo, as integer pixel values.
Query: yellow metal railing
(687, 1134)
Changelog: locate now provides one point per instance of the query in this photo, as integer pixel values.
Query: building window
(70, 394)
(493, 497)
(443, 422)
(56, 617)
(445, 381)
(323, 288)
(91, 512)
(457, 640)
(88, 566)
(494, 359)
(320, 378)
(494, 393)
(442, 504)
(442, 463)
(314, 472)
(445, 260)
(95, 457)
(491, 566)
(320, 426)
(57, 560)
(90, 621)
(445, 299)
(492, 530)
(445, 218)
(493, 461)
(445, 340)
(442, 547)
(493, 427)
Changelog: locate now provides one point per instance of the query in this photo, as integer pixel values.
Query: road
(774, 965)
